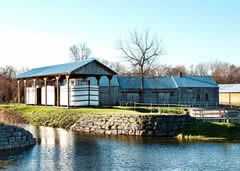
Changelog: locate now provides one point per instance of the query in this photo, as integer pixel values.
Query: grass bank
(65, 118)
(52, 116)
(211, 131)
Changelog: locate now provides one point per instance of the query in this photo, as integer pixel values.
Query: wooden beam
(25, 91)
(18, 91)
(58, 90)
(67, 82)
(109, 89)
(45, 85)
(98, 80)
(35, 91)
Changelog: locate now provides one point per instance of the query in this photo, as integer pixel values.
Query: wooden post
(109, 89)
(98, 84)
(25, 91)
(18, 91)
(58, 91)
(98, 80)
(67, 82)
(229, 96)
(35, 91)
(45, 85)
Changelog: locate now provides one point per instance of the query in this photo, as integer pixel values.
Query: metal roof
(58, 69)
(168, 82)
(229, 88)
(149, 83)
(195, 81)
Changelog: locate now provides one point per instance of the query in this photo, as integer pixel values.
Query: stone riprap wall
(140, 125)
(13, 137)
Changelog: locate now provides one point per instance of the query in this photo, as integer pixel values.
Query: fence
(157, 108)
(221, 114)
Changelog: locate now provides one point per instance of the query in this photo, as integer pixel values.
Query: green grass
(153, 110)
(212, 130)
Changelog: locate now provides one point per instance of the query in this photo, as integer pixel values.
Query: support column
(67, 82)
(98, 84)
(98, 80)
(25, 91)
(109, 90)
(18, 91)
(45, 85)
(230, 99)
(35, 91)
(58, 91)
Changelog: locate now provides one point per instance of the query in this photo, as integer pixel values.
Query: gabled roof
(229, 88)
(59, 69)
(195, 81)
(168, 82)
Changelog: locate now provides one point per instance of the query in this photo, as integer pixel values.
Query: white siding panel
(30, 95)
(79, 103)
(94, 98)
(50, 95)
(79, 95)
(94, 103)
(63, 95)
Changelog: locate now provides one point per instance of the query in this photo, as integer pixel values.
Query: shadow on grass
(213, 129)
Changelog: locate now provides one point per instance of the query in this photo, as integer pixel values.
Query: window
(206, 97)
(198, 97)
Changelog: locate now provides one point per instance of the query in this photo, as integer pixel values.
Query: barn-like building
(92, 83)
(229, 94)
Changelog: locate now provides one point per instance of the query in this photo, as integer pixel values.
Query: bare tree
(79, 52)
(8, 71)
(117, 66)
(202, 69)
(142, 51)
(8, 84)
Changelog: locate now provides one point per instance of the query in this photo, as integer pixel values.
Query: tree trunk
(142, 87)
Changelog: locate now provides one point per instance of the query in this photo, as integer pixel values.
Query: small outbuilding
(229, 94)
(65, 84)
(184, 90)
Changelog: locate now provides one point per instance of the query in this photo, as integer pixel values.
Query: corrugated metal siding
(227, 88)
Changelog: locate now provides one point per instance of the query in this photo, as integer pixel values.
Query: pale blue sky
(38, 33)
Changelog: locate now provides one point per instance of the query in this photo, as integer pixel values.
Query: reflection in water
(58, 149)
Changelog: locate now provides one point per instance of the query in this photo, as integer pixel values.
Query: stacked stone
(141, 125)
(13, 137)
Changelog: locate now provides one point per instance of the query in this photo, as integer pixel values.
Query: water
(58, 149)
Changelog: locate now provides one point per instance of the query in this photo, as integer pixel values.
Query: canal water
(58, 149)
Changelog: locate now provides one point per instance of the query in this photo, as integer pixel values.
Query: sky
(36, 33)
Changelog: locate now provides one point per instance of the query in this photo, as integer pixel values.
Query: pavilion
(65, 84)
